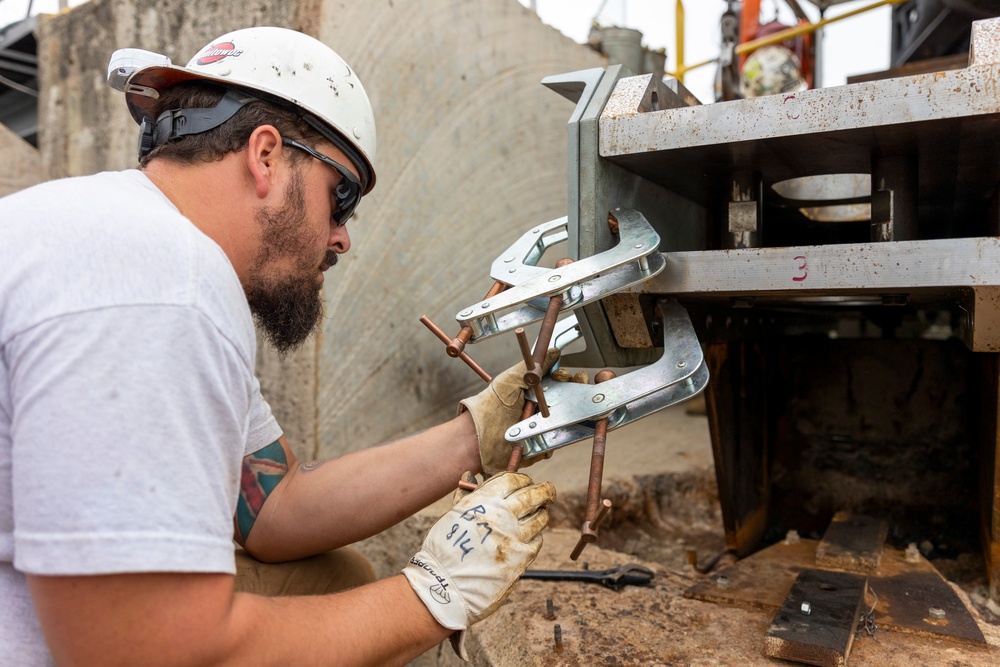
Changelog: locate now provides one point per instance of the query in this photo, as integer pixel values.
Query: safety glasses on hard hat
(348, 191)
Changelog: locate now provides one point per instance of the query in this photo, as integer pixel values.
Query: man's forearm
(194, 619)
(318, 507)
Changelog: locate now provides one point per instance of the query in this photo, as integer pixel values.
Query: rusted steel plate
(852, 543)
(923, 603)
(903, 591)
(816, 622)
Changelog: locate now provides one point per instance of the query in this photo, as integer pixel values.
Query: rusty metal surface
(905, 590)
(906, 601)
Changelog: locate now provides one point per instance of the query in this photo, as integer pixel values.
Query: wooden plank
(816, 622)
(852, 542)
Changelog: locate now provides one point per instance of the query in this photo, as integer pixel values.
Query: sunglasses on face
(348, 191)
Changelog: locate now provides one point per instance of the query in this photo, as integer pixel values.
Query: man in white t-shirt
(134, 441)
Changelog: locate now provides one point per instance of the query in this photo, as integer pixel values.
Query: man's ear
(264, 154)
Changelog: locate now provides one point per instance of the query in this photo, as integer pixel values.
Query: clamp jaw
(633, 260)
(575, 409)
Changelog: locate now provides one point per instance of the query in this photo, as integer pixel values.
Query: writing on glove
(476, 552)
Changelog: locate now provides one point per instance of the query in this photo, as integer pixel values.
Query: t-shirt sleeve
(264, 428)
(129, 426)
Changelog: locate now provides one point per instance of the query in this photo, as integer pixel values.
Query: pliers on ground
(616, 578)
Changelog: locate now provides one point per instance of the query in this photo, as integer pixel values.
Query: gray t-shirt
(127, 392)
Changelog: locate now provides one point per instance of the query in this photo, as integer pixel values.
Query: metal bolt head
(792, 537)
(466, 313)
(681, 364)
(514, 432)
(486, 305)
(936, 613)
(508, 260)
(532, 424)
(553, 279)
(638, 245)
(806, 608)
(598, 398)
(912, 553)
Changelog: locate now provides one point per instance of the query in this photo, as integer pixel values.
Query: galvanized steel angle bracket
(679, 374)
(633, 260)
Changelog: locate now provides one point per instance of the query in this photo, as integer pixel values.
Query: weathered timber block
(852, 542)
(816, 622)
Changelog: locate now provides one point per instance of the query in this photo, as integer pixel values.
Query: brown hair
(230, 136)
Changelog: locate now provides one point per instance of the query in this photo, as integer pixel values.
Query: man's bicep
(262, 473)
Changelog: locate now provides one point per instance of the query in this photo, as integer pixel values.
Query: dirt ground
(666, 511)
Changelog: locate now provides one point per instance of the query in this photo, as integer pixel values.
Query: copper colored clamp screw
(596, 508)
(457, 344)
(517, 449)
(533, 375)
(589, 531)
(434, 329)
(529, 363)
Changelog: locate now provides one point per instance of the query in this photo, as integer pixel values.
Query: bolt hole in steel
(830, 197)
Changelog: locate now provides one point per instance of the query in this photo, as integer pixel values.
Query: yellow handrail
(679, 38)
(776, 38)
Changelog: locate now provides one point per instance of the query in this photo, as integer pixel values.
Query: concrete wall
(20, 163)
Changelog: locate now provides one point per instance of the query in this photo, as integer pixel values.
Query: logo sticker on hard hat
(216, 52)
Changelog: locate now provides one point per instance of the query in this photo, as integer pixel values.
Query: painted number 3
(802, 268)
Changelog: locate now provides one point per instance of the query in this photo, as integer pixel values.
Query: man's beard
(287, 308)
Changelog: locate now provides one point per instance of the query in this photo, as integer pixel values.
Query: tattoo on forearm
(262, 471)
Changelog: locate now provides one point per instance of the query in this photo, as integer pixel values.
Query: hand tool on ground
(434, 329)
(597, 509)
(615, 578)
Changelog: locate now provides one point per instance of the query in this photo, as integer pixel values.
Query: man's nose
(340, 240)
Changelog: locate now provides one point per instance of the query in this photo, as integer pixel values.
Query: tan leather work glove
(496, 409)
(476, 552)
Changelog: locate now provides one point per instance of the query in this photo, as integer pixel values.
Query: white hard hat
(283, 64)
(770, 70)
